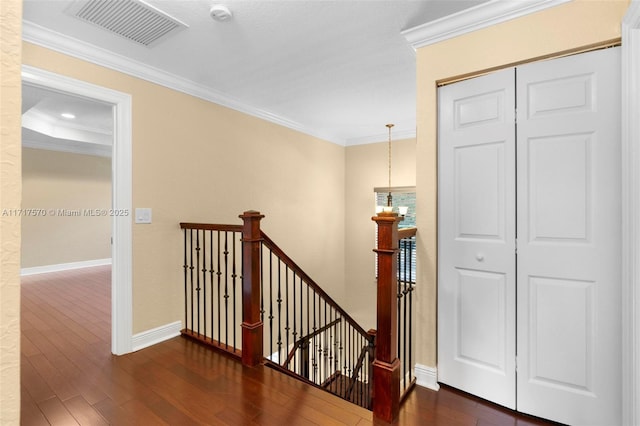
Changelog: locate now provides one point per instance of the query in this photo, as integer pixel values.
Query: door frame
(121, 165)
(630, 215)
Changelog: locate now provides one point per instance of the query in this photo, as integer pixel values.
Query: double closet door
(529, 238)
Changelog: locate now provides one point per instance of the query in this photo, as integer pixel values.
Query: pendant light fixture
(389, 206)
(402, 210)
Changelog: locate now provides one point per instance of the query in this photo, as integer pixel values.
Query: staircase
(246, 297)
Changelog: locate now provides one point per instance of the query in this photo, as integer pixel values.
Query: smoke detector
(220, 12)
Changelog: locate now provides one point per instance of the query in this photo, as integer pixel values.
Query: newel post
(386, 366)
(251, 322)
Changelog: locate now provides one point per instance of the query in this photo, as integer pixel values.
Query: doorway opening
(121, 277)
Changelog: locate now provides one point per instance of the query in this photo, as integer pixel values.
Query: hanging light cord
(389, 199)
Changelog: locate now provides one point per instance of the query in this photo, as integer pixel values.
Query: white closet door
(476, 237)
(568, 261)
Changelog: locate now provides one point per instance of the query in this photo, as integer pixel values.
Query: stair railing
(308, 334)
(289, 322)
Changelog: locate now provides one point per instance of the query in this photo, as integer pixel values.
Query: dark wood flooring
(69, 376)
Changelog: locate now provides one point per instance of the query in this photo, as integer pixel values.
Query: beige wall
(10, 182)
(367, 168)
(562, 28)
(197, 161)
(60, 183)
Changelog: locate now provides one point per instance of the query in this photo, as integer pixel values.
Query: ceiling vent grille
(133, 19)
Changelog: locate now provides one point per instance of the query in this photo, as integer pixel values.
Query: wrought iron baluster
(286, 307)
(191, 275)
(211, 274)
(197, 269)
(309, 347)
(219, 273)
(204, 283)
(262, 310)
(293, 302)
(226, 289)
(271, 303)
(280, 360)
(234, 277)
(185, 267)
(314, 360)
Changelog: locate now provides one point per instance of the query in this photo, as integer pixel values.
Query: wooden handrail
(407, 233)
(300, 341)
(356, 370)
(268, 242)
(210, 226)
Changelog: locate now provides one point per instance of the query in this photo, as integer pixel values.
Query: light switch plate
(143, 215)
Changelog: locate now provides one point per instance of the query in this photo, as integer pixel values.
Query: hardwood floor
(69, 376)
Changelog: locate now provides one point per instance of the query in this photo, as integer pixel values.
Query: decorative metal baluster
(280, 359)
(293, 302)
(197, 268)
(271, 303)
(219, 291)
(332, 345)
(226, 289)
(185, 267)
(262, 311)
(321, 342)
(340, 357)
(345, 359)
(314, 360)
(335, 367)
(351, 343)
(234, 276)
(286, 307)
(211, 272)
(204, 283)
(191, 274)
(309, 347)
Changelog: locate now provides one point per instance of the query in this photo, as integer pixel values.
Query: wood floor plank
(33, 383)
(56, 413)
(31, 414)
(83, 412)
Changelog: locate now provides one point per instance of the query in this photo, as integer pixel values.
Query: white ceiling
(339, 70)
(90, 131)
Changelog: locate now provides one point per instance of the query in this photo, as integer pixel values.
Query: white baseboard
(64, 266)
(427, 377)
(155, 335)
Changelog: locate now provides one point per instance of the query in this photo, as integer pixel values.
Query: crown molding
(36, 34)
(382, 137)
(484, 15)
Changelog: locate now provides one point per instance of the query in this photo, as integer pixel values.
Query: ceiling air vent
(133, 19)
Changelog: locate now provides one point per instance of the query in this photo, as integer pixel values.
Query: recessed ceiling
(44, 125)
(339, 70)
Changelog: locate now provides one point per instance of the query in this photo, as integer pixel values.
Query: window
(401, 196)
